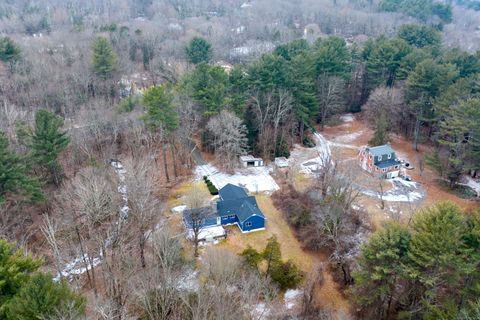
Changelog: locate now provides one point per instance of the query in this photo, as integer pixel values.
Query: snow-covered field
(257, 179)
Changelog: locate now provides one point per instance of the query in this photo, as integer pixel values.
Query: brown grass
(328, 295)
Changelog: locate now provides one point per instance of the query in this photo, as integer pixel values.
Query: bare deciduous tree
(330, 96)
(229, 138)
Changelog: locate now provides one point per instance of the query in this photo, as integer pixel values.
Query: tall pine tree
(104, 59)
(46, 142)
(14, 174)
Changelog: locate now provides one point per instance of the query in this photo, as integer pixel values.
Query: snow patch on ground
(257, 179)
(475, 185)
(393, 196)
(208, 233)
(347, 117)
(188, 281)
(260, 311)
(77, 267)
(291, 298)
(178, 209)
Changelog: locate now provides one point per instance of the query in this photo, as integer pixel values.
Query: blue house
(235, 206)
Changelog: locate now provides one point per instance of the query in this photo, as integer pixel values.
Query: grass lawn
(328, 295)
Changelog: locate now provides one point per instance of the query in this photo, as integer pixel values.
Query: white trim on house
(259, 229)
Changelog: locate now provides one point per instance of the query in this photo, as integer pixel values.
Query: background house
(251, 161)
(381, 161)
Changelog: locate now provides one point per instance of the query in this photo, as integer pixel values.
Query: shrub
(308, 142)
(287, 275)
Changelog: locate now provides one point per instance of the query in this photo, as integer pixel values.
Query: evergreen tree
(9, 51)
(14, 174)
(303, 89)
(104, 58)
(237, 91)
(199, 50)
(380, 136)
(252, 257)
(160, 111)
(42, 298)
(420, 35)
(16, 268)
(380, 270)
(438, 257)
(423, 85)
(458, 134)
(384, 60)
(272, 254)
(209, 86)
(162, 116)
(332, 57)
(46, 142)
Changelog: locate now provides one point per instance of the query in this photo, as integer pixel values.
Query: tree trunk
(91, 278)
(142, 249)
(416, 134)
(174, 160)
(164, 148)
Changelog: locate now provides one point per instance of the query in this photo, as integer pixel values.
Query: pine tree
(380, 270)
(209, 86)
(46, 143)
(9, 51)
(104, 59)
(161, 116)
(380, 137)
(438, 257)
(14, 174)
(424, 84)
(42, 298)
(16, 268)
(160, 110)
(199, 50)
(272, 254)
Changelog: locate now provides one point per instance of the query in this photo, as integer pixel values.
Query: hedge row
(213, 190)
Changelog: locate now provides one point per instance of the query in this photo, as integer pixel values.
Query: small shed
(281, 162)
(251, 161)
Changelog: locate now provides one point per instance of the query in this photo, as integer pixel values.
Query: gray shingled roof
(388, 163)
(243, 208)
(381, 150)
(232, 192)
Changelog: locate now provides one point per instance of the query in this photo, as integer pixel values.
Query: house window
(389, 156)
(379, 158)
(384, 170)
(231, 216)
(248, 224)
(224, 218)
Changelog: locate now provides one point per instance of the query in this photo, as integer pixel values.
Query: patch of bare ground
(357, 133)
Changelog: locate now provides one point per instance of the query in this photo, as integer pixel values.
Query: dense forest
(109, 106)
